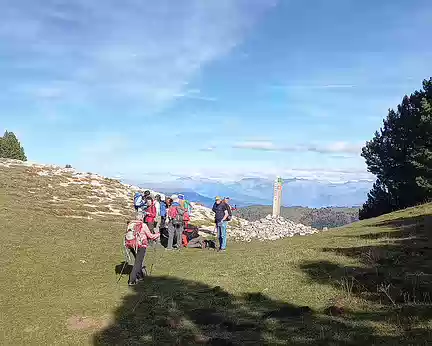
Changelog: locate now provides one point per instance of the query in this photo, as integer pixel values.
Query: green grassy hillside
(366, 284)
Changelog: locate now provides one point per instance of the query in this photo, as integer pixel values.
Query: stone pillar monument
(277, 196)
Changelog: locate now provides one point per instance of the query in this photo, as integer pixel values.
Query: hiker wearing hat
(175, 220)
(221, 215)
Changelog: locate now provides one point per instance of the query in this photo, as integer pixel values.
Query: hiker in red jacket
(137, 239)
(150, 214)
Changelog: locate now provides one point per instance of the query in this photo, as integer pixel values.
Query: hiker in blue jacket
(162, 213)
(140, 205)
(221, 215)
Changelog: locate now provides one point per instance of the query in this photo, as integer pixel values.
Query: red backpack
(174, 215)
(133, 236)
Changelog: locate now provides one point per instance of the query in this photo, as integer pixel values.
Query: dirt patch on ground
(86, 322)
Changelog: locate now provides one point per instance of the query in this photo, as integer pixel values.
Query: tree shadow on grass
(170, 311)
(395, 274)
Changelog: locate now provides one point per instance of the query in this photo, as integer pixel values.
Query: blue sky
(151, 90)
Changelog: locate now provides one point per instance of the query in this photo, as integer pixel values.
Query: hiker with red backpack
(137, 240)
(175, 218)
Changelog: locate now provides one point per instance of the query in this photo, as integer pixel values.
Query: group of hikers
(160, 221)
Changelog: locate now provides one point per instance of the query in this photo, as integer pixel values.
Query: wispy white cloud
(142, 52)
(314, 86)
(211, 148)
(102, 146)
(327, 148)
(194, 94)
(263, 145)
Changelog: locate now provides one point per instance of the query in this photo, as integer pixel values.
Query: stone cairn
(269, 228)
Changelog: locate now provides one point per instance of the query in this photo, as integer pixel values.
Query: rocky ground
(68, 193)
(270, 228)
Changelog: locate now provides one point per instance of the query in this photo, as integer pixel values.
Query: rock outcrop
(269, 228)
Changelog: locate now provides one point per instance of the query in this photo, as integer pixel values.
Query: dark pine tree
(400, 156)
(11, 148)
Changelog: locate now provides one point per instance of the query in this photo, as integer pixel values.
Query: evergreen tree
(11, 148)
(400, 156)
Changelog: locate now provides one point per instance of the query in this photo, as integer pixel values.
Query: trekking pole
(121, 272)
(126, 260)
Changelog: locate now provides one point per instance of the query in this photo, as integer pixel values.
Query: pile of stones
(269, 228)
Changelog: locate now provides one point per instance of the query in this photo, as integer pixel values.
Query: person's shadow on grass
(170, 311)
(394, 277)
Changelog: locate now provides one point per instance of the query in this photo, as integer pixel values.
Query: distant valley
(316, 217)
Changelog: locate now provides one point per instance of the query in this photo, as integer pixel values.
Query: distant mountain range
(259, 191)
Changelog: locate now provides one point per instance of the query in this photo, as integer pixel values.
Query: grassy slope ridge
(318, 218)
(369, 283)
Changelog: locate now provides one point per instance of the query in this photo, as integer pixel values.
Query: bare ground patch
(79, 322)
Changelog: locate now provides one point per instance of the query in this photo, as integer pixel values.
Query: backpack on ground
(175, 215)
(185, 240)
(209, 244)
(138, 200)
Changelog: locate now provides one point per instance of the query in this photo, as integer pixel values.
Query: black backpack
(209, 244)
(229, 218)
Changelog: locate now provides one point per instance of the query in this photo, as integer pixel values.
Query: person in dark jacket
(221, 215)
